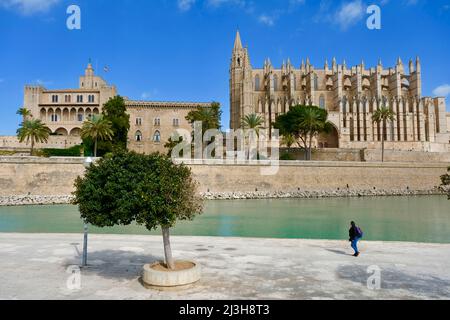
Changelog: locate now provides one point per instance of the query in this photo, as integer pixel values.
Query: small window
(157, 137)
(157, 122)
(275, 83)
(322, 102)
(316, 82)
(80, 118)
(91, 98)
(139, 121)
(138, 136)
(55, 99)
(79, 98)
(54, 118)
(257, 83)
(176, 122)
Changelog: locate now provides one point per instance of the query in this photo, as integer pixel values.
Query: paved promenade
(36, 267)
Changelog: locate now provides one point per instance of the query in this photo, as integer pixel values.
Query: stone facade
(64, 111)
(152, 123)
(350, 94)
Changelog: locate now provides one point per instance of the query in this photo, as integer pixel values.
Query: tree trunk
(167, 249)
(95, 148)
(382, 143)
(310, 148)
(32, 147)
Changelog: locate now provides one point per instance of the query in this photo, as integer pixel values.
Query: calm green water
(418, 219)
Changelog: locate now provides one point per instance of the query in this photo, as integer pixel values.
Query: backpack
(359, 232)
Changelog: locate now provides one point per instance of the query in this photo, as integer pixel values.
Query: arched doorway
(61, 132)
(330, 140)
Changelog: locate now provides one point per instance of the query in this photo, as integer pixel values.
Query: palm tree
(313, 121)
(255, 123)
(252, 122)
(96, 128)
(25, 113)
(34, 131)
(288, 140)
(381, 116)
(209, 117)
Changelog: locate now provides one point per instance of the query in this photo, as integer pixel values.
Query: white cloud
(267, 20)
(149, 94)
(185, 5)
(42, 83)
(349, 14)
(218, 3)
(442, 91)
(29, 7)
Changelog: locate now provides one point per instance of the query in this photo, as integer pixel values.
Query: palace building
(64, 111)
(350, 95)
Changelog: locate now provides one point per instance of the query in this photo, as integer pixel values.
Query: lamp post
(87, 164)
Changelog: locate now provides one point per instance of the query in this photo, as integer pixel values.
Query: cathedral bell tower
(241, 84)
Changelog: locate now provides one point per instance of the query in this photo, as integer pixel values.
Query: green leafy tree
(33, 131)
(381, 117)
(210, 117)
(147, 189)
(115, 112)
(304, 123)
(97, 128)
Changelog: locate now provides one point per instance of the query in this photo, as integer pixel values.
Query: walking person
(355, 234)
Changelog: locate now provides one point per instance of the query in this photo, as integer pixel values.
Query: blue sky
(181, 49)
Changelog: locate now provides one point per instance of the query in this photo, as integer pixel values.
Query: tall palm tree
(313, 121)
(381, 117)
(25, 113)
(97, 127)
(34, 131)
(253, 122)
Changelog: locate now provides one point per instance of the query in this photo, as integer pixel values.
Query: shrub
(74, 151)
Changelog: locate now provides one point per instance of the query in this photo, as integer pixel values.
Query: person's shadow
(339, 252)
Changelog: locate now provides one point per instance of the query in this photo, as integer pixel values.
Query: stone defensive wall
(54, 142)
(29, 176)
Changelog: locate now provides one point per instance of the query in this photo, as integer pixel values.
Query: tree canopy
(33, 131)
(114, 111)
(304, 123)
(128, 187)
(209, 116)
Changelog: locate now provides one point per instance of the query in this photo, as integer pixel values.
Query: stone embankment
(318, 194)
(33, 200)
(53, 200)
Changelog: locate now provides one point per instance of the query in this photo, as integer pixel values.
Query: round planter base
(156, 276)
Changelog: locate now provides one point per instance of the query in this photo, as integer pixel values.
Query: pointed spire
(363, 65)
(380, 64)
(399, 61)
(237, 41)
(326, 64)
(344, 64)
(334, 64)
(89, 70)
(418, 66)
(411, 66)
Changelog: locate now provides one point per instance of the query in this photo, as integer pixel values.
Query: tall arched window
(316, 82)
(322, 102)
(157, 137)
(257, 83)
(138, 136)
(275, 82)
